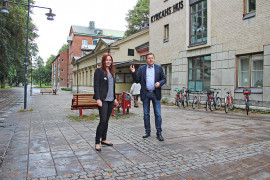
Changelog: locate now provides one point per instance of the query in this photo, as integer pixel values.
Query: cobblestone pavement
(46, 144)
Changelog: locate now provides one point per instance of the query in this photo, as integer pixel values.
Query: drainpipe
(77, 78)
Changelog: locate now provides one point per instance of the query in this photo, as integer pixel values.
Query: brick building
(206, 44)
(83, 40)
(60, 70)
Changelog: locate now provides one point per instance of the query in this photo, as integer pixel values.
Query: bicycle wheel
(177, 101)
(247, 106)
(231, 104)
(226, 107)
(184, 101)
(218, 103)
(211, 105)
(194, 102)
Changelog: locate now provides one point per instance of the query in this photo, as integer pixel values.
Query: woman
(135, 91)
(104, 93)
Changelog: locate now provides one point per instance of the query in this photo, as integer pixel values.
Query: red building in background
(60, 70)
(81, 41)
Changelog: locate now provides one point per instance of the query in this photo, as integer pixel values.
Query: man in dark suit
(151, 77)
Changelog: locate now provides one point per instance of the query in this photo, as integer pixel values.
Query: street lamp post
(49, 15)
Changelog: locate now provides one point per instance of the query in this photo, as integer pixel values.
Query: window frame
(247, 13)
(167, 68)
(195, 69)
(166, 33)
(250, 70)
(191, 4)
(131, 52)
(84, 42)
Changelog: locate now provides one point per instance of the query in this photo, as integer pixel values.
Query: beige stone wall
(229, 35)
(243, 36)
(165, 52)
(131, 42)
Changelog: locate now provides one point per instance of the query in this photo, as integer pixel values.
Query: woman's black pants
(104, 113)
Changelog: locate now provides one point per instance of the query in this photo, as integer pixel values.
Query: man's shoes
(159, 137)
(146, 135)
(106, 143)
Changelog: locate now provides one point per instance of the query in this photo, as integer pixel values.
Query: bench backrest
(45, 90)
(83, 100)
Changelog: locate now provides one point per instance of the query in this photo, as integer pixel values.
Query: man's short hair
(149, 54)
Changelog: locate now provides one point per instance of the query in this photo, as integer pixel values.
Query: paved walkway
(46, 144)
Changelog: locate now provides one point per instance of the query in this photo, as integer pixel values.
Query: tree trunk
(3, 81)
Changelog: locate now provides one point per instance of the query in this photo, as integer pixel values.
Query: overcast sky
(107, 14)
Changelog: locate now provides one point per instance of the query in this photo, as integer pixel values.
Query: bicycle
(187, 96)
(177, 96)
(197, 100)
(246, 93)
(217, 100)
(209, 100)
(182, 98)
(228, 100)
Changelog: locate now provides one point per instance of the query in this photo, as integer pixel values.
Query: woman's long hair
(103, 64)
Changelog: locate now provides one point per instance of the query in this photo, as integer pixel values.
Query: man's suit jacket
(101, 86)
(140, 77)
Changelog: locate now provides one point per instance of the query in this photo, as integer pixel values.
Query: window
(62, 79)
(62, 70)
(84, 53)
(250, 71)
(123, 78)
(166, 33)
(250, 6)
(84, 42)
(198, 22)
(62, 60)
(95, 41)
(249, 9)
(130, 52)
(168, 73)
(143, 58)
(199, 73)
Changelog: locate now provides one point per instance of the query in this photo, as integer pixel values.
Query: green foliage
(137, 16)
(164, 100)
(63, 48)
(66, 89)
(39, 72)
(13, 28)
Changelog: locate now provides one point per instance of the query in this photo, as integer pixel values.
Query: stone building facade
(213, 44)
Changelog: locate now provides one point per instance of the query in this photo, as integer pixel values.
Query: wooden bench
(86, 101)
(46, 91)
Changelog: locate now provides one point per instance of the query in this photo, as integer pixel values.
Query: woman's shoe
(98, 149)
(106, 143)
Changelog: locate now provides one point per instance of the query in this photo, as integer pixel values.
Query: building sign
(168, 11)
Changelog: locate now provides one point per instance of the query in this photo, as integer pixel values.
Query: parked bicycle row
(212, 101)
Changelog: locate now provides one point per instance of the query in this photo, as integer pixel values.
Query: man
(151, 77)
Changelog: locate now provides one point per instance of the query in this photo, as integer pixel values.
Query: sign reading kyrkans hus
(168, 11)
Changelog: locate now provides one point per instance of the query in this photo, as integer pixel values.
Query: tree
(48, 70)
(38, 73)
(137, 16)
(63, 48)
(12, 43)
